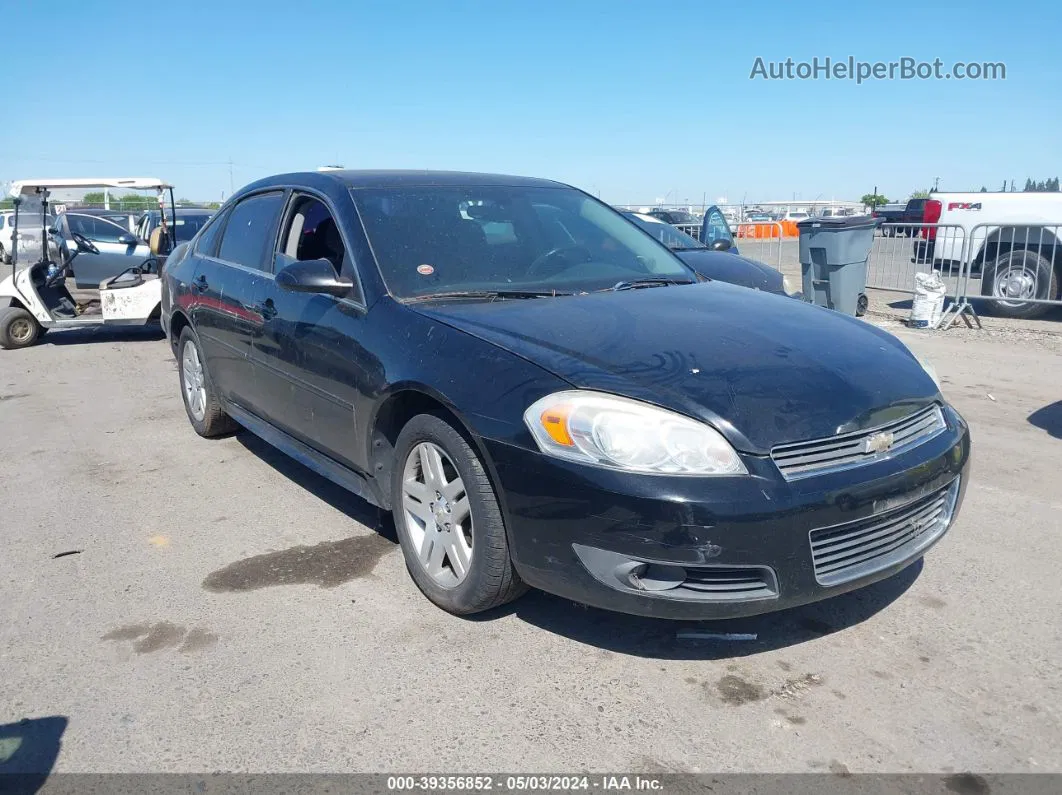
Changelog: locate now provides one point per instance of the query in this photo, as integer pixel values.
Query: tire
(4, 258)
(18, 328)
(210, 419)
(489, 578)
(1017, 274)
(861, 305)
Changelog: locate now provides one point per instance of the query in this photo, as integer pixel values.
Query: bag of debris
(928, 304)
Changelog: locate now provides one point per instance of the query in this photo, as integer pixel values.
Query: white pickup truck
(1012, 240)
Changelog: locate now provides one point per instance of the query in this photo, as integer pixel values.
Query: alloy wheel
(194, 381)
(437, 514)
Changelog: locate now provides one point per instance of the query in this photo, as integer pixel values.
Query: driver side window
(312, 233)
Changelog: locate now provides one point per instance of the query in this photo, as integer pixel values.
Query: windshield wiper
(651, 281)
(488, 294)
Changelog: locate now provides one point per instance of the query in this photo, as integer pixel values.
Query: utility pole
(936, 183)
(231, 186)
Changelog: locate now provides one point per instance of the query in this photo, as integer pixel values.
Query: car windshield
(667, 234)
(430, 240)
(683, 217)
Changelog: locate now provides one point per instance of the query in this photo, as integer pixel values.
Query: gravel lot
(229, 610)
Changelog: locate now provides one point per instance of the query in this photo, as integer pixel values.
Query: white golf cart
(36, 296)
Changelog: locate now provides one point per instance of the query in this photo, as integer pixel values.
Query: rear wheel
(861, 305)
(201, 401)
(18, 328)
(1017, 275)
(448, 520)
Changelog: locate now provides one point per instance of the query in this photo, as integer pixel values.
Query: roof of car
(392, 178)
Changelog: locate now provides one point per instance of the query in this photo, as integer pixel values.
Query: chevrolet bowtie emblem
(878, 443)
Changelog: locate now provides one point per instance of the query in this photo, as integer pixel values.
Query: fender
(21, 290)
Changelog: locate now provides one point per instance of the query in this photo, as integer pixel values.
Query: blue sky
(631, 100)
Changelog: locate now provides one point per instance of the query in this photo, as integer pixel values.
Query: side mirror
(128, 239)
(312, 276)
(722, 244)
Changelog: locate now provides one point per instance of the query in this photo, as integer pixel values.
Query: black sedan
(545, 395)
(716, 263)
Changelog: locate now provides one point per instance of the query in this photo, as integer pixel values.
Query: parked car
(546, 396)
(727, 266)
(1014, 244)
(909, 214)
(29, 233)
(116, 248)
(124, 218)
(189, 221)
(837, 212)
(674, 217)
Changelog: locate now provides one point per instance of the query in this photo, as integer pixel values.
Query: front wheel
(18, 328)
(1017, 275)
(448, 520)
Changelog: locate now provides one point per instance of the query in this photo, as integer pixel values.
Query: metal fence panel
(1015, 264)
(761, 241)
(902, 250)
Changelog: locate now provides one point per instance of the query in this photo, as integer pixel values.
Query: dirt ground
(192, 605)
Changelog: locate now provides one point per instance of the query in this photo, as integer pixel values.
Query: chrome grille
(802, 459)
(855, 549)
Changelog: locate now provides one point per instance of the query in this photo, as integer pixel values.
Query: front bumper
(703, 548)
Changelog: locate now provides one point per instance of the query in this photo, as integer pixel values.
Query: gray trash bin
(833, 261)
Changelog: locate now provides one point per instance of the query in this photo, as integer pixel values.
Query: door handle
(200, 284)
(267, 309)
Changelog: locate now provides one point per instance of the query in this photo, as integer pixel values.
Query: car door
(113, 256)
(714, 228)
(232, 271)
(310, 359)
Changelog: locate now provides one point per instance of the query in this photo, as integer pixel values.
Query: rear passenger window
(251, 230)
(208, 241)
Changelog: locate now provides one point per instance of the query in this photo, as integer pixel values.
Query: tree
(920, 194)
(873, 200)
(1041, 186)
(984, 189)
(95, 197)
(1004, 188)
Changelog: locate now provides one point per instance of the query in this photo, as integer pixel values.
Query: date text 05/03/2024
(523, 783)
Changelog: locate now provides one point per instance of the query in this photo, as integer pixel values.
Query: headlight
(787, 286)
(930, 369)
(611, 431)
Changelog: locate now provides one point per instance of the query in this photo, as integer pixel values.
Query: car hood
(764, 369)
(733, 269)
